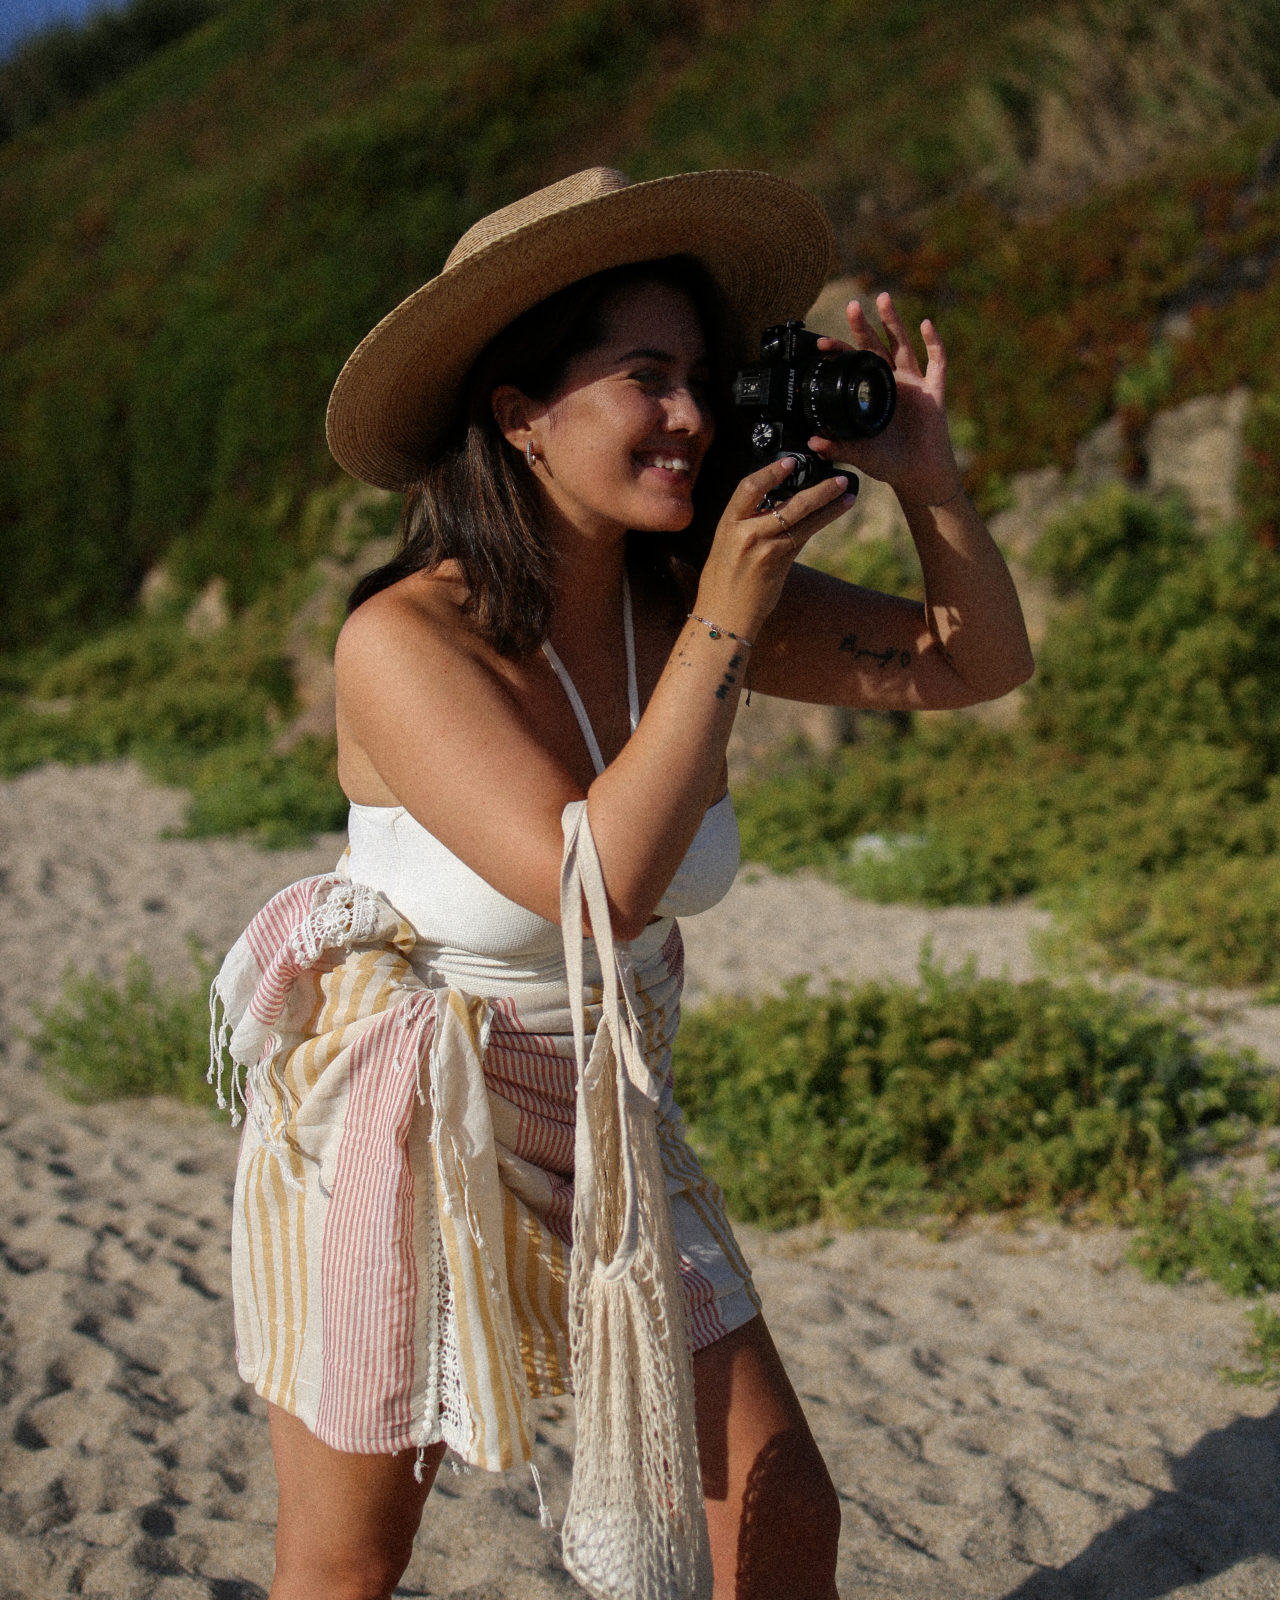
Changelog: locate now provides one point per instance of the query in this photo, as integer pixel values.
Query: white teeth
(671, 463)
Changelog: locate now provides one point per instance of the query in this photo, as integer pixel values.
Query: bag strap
(581, 878)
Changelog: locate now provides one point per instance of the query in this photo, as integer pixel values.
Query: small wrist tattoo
(730, 679)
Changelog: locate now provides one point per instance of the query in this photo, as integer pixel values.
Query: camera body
(798, 390)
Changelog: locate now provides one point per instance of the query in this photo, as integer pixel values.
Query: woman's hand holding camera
(913, 455)
(756, 543)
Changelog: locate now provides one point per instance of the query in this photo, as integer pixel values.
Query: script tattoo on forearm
(730, 678)
(882, 658)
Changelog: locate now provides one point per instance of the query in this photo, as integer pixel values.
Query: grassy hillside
(1087, 199)
(1146, 294)
(186, 257)
(68, 62)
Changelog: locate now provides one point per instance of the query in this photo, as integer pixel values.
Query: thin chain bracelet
(716, 631)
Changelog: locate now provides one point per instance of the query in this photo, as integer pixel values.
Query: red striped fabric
(370, 1276)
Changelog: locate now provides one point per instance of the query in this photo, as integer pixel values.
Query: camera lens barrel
(850, 395)
(796, 390)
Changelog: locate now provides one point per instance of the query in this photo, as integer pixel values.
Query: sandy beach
(1008, 1412)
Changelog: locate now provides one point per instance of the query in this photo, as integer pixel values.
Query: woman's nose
(685, 411)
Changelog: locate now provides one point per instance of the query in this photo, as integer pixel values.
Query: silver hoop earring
(529, 453)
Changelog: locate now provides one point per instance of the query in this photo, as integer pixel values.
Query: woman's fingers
(896, 341)
(750, 502)
(902, 353)
(862, 334)
(746, 498)
(865, 333)
(818, 497)
(861, 331)
(812, 509)
(935, 350)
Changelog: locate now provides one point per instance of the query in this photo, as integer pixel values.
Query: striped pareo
(403, 1218)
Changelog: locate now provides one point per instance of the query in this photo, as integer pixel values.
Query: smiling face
(620, 442)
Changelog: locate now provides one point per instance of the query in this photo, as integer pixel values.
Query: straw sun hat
(766, 243)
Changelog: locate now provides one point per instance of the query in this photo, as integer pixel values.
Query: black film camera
(798, 390)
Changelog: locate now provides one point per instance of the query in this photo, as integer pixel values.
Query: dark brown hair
(477, 504)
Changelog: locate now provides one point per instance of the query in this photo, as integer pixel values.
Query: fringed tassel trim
(544, 1514)
(220, 1061)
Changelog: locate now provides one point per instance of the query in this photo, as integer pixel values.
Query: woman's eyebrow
(643, 353)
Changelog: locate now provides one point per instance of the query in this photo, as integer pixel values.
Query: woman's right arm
(446, 732)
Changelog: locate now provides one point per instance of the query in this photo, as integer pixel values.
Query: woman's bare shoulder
(428, 714)
(425, 611)
(411, 656)
(418, 690)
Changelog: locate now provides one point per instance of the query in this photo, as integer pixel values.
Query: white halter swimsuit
(473, 935)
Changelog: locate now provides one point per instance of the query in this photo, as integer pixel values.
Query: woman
(586, 584)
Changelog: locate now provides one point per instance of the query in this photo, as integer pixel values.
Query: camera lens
(850, 395)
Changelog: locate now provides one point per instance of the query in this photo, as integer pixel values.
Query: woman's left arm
(833, 643)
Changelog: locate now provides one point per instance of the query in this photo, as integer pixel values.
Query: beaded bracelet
(716, 631)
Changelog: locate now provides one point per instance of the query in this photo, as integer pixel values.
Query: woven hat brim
(766, 242)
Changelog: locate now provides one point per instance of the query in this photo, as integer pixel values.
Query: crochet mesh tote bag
(635, 1527)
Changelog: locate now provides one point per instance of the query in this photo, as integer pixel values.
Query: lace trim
(347, 915)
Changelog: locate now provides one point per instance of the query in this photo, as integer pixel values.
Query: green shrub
(1139, 794)
(879, 1100)
(105, 1041)
(1168, 638)
(147, 688)
(1234, 1242)
(1146, 384)
(277, 799)
(1264, 1347)
(1214, 920)
(199, 713)
(885, 564)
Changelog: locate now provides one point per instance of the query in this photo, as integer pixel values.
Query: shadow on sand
(1224, 1508)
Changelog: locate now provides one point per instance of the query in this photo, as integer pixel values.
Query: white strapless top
(469, 931)
(471, 934)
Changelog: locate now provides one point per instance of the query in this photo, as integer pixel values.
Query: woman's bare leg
(346, 1522)
(772, 1510)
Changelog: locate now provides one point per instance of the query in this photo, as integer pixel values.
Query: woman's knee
(789, 1533)
(362, 1575)
(346, 1522)
(772, 1510)
(332, 1567)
